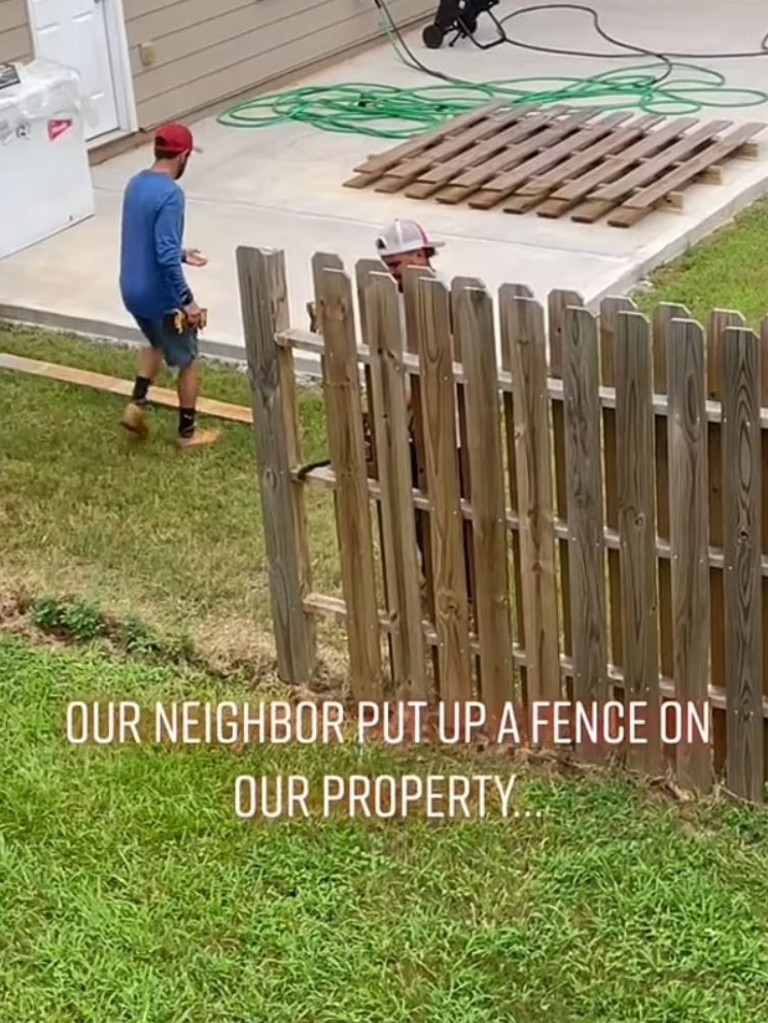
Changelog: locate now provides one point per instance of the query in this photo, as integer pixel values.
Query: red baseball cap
(176, 139)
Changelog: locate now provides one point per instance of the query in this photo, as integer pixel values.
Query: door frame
(120, 64)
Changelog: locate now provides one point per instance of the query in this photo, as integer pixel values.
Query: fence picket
(264, 303)
(637, 529)
(585, 514)
(381, 303)
(341, 384)
(438, 411)
(689, 534)
(742, 485)
(524, 341)
(473, 323)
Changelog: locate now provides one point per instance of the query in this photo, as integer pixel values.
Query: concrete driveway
(282, 188)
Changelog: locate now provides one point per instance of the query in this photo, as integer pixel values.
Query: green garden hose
(382, 111)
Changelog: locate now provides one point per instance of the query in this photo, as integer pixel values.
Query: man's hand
(194, 257)
(193, 314)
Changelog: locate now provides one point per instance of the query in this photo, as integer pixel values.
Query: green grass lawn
(130, 892)
(728, 270)
(174, 537)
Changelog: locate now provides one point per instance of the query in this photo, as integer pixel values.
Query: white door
(74, 33)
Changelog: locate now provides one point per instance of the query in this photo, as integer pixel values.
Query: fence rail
(588, 497)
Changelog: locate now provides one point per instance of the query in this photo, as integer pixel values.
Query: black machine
(459, 17)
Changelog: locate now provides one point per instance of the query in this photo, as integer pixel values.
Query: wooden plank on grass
(383, 330)
(581, 390)
(264, 305)
(525, 346)
(438, 412)
(341, 385)
(764, 517)
(689, 539)
(610, 311)
(475, 334)
(742, 486)
(637, 528)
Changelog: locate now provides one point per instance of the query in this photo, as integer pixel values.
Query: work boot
(135, 420)
(199, 439)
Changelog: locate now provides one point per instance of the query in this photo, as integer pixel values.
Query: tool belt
(180, 322)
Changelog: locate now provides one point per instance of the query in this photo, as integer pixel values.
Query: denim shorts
(179, 350)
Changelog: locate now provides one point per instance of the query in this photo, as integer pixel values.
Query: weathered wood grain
(585, 513)
(663, 315)
(524, 344)
(438, 412)
(264, 305)
(610, 309)
(742, 489)
(719, 321)
(689, 535)
(637, 528)
(507, 293)
(341, 385)
(558, 302)
(476, 340)
(382, 313)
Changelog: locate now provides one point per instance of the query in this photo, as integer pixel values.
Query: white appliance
(45, 178)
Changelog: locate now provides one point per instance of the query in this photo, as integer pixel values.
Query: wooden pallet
(560, 160)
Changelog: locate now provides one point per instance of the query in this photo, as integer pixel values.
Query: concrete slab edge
(707, 226)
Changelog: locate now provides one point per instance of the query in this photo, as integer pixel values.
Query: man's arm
(169, 248)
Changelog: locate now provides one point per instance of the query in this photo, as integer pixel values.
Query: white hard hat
(404, 236)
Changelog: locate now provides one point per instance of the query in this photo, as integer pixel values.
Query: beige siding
(15, 37)
(202, 57)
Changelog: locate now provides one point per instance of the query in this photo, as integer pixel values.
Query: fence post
(264, 304)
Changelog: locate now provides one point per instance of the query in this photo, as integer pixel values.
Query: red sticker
(56, 128)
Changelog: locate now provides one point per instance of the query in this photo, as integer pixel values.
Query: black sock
(186, 422)
(140, 389)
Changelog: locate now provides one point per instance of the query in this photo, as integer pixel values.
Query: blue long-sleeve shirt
(152, 281)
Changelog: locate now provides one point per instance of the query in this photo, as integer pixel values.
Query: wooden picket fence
(600, 532)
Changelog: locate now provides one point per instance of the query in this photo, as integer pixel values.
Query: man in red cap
(153, 286)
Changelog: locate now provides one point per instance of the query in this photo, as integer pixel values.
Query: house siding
(202, 58)
(15, 37)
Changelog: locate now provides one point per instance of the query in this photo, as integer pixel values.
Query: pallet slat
(742, 487)
(558, 161)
